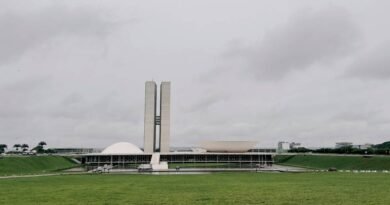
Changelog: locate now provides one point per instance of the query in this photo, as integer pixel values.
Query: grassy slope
(33, 164)
(222, 188)
(340, 162)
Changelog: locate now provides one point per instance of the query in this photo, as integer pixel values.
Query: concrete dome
(122, 148)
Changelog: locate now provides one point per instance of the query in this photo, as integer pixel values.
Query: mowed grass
(21, 165)
(221, 188)
(339, 162)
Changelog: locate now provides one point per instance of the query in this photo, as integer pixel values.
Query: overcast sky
(72, 73)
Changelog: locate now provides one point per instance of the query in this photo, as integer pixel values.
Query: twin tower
(152, 119)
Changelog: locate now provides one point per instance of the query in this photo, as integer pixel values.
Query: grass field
(339, 162)
(33, 164)
(222, 188)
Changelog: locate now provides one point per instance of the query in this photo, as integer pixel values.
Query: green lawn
(221, 188)
(339, 162)
(21, 165)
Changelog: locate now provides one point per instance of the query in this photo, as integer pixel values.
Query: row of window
(180, 158)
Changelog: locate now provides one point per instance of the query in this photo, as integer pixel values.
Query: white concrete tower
(165, 115)
(150, 116)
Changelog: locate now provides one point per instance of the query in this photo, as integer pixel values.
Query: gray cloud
(205, 102)
(372, 65)
(23, 31)
(55, 84)
(309, 38)
(107, 108)
(18, 98)
(373, 118)
(356, 116)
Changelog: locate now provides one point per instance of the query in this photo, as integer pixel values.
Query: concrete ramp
(156, 164)
(155, 158)
(160, 166)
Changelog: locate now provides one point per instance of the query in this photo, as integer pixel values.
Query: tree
(300, 150)
(39, 148)
(42, 143)
(2, 148)
(385, 145)
(24, 147)
(17, 146)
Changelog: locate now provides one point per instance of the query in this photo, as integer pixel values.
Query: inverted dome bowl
(228, 146)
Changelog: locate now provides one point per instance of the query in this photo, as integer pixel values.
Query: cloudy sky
(72, 73)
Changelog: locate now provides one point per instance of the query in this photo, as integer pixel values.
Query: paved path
(274, 168)
(37, 175)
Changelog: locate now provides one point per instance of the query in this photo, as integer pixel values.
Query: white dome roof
(122, 148)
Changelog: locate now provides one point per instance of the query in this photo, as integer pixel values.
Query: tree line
(381, 149)
(20, 148)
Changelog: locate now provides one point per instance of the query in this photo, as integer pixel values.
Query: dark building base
(184, 160)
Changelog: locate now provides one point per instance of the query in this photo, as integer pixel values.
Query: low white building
(295, 145)
(363, 146)
(343, 144)
(283, 146)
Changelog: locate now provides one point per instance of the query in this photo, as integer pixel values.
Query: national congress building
(157, 152)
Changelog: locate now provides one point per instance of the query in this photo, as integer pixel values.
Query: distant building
(283, 146)
(343, 144)
(295, 145)
(363, 146)
(73, 150)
